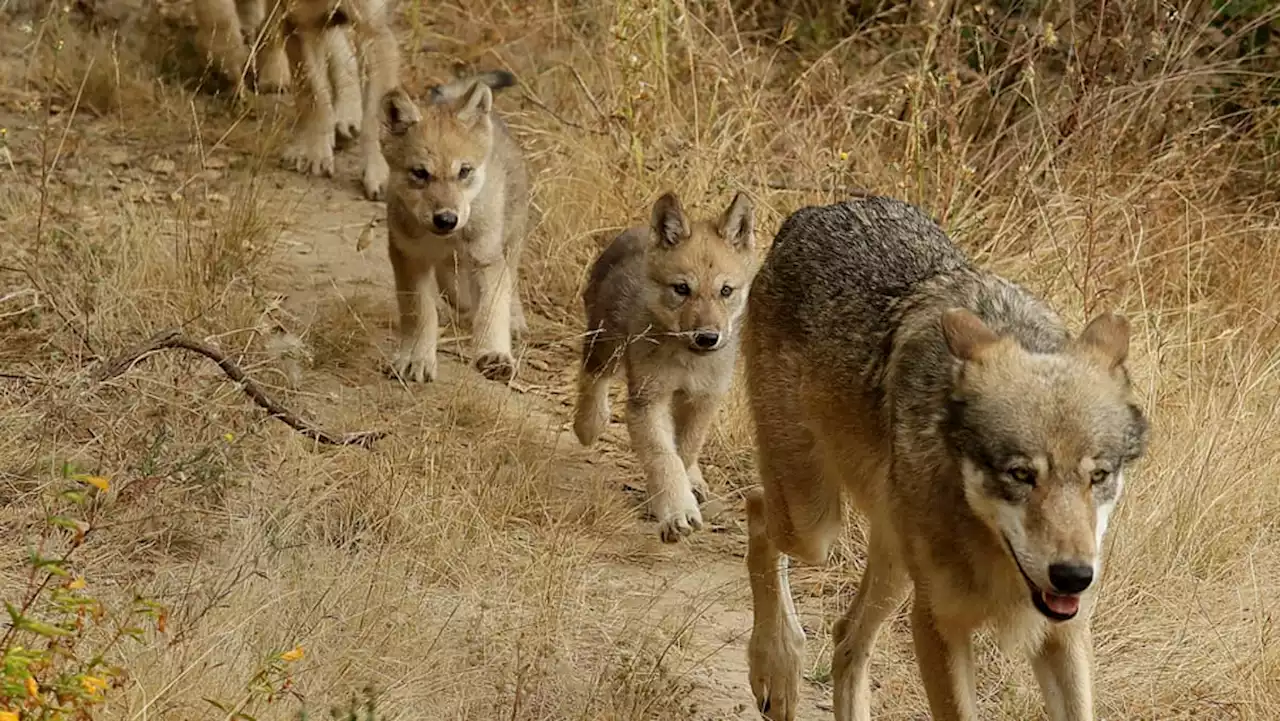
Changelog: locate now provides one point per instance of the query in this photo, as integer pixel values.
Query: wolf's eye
(726, 291)
(1099, 475)
(421, 174)
(681, 289)
(464, 172)
(1022, 475)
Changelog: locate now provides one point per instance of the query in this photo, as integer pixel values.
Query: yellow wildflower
(228, 436)
(293, 655)
(33, 689)
(76, 584)
(843, 156)
(8, 716)
(92, 684)
(98, 482)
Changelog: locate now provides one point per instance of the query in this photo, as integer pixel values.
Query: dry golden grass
(477, 564)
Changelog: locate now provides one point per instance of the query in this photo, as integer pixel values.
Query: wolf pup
(665, 302)
(984, 444)
(320, 60)
(457, 204)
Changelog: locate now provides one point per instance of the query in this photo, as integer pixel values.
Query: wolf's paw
(774, 665)
(496, 366)
(376, 173)
(677, 519)
(413, 367)
(699, 485)
(311, 155)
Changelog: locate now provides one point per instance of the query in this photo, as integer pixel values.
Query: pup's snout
(706, 340)
(1070, 577)
(445, 220)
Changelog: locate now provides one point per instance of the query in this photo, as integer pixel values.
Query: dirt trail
(701, 585)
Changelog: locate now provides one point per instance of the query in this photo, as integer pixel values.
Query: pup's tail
(454, 89)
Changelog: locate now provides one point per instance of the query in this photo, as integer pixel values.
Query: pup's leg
(652, 428)
(776, 649)
(272, 62)
(312, 152)
(694, 416)
(456, 284)
(601, 357)
(381, 57)
(220, 36)
(416, 294)
(491, 331)
(344, 76)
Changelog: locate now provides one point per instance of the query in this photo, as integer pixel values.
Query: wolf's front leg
(416, 295)
(491, 322)
(1062, 668)
(652, 429)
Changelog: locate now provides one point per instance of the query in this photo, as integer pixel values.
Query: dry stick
(173, 338)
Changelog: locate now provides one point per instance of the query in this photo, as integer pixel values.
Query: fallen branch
(173, 338)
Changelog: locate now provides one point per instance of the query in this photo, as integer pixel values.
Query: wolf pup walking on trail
(457, 204)
(665, 303)
(321, 62)
(985, 446)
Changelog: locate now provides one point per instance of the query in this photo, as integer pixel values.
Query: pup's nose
(1070, 577)
(445, 220)
(706, 339)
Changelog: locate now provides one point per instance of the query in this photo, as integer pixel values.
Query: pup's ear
(1106, 338)
(967, 336)
(476, 103)
(669, 223)
(399, 112)
(737, 224)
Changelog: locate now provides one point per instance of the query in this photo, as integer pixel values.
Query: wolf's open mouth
(1055, 607)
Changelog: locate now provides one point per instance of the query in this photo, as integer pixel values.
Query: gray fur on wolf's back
(844, 277)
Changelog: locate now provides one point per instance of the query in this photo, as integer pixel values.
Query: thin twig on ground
(173, 338)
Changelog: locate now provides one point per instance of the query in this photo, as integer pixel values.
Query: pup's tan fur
(665, 303)
(457, 206)
(985, 446)
(321, 65)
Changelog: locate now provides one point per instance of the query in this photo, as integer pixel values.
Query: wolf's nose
(706, 340)
(1070, 577)
(445, 220)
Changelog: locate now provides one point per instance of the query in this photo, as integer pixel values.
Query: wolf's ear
(669, 223)
(1106, 338)
(737, 225)
(399, 113)
(477, 103)
(967, 336)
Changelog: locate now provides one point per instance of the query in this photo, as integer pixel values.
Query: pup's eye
(464, 172)
(681, 288)
(726, 291)
(1099, 475)
(1022, 475)
(421, 174)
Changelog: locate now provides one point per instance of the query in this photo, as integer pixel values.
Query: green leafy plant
(57, 651)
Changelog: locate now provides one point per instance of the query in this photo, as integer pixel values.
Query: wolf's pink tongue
(1064, 605)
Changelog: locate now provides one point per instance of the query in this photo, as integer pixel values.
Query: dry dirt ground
(476, 563)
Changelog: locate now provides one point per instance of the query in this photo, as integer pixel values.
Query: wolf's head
(439, 154)
(1042, 441)
(699, 273)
